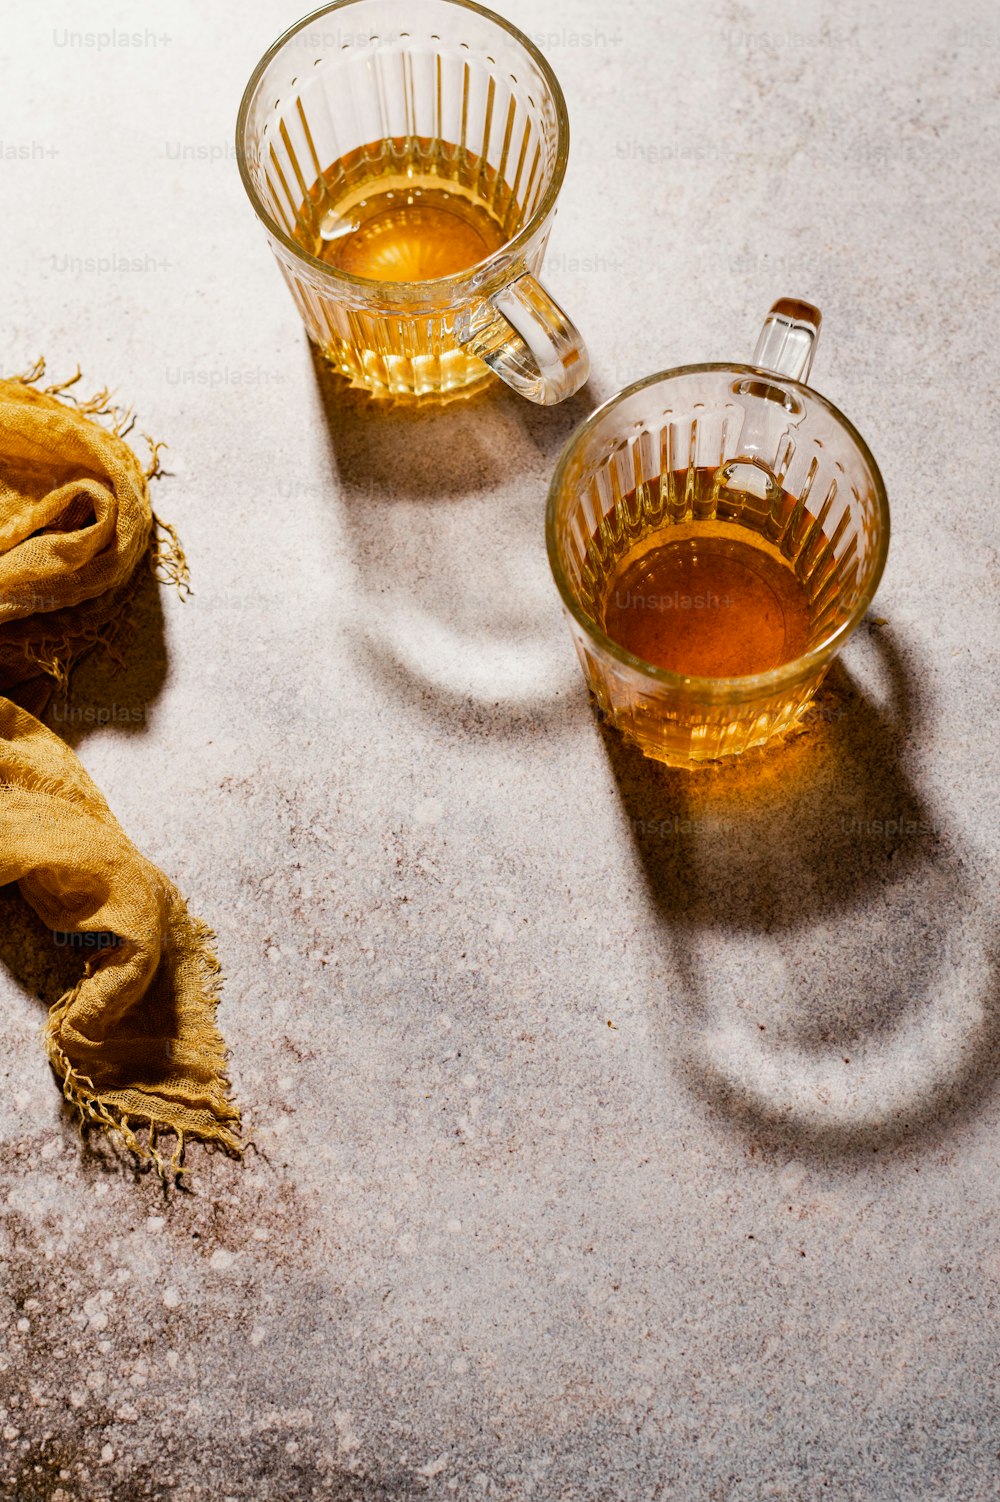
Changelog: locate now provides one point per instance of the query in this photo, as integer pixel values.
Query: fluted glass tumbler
(760, 498)
(404, 158)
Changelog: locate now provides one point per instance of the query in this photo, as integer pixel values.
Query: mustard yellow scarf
(134, 1043)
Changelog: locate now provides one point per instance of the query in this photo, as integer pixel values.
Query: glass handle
(527, 340)
(788, 339)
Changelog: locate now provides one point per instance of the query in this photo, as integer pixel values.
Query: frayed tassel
(80, 1092)
(33, 374)
(98, 405)
(169, 562)
(60, 388)
(53, 666)
(124, 421)
(154, 467)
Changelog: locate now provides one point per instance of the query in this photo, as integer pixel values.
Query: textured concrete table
(620, 1136)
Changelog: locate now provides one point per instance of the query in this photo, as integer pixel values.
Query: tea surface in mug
(398, 211)
(708, 606)
(725, 590)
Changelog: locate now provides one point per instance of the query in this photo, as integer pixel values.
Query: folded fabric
(134, 1043)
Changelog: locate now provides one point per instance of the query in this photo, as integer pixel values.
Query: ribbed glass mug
(781, 462)
(413, 94)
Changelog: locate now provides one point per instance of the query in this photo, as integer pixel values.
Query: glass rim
(432, 285)
(752, 685)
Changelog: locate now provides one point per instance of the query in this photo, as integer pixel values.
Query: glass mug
(733, 462)
(422, 143)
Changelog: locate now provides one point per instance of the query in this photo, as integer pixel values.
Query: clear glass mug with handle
(725, 452)
(436, 107)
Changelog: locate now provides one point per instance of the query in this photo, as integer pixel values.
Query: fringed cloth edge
(167, 974)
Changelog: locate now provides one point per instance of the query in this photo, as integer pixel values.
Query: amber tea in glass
(717, 532)
(405, 158)
(405, 211)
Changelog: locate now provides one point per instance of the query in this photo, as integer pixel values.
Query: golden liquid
(402, 226)
(404, 210)
(413, 234)
(713, 598)
(712, 607)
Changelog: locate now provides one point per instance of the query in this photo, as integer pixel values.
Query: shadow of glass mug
(718, 451)
(409, 101)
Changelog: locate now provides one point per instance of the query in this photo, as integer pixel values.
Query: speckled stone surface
(620, 1136)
